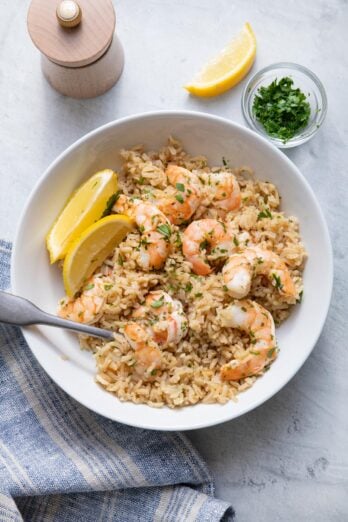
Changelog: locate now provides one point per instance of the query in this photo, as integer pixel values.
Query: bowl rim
(230, 413)
(296, 140)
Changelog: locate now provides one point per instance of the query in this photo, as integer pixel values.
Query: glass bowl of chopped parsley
(286, 103)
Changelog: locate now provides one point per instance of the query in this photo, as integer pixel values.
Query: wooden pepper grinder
(81, 55)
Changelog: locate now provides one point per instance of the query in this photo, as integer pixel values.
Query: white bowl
(32, 276)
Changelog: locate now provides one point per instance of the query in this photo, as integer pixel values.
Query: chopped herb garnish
(224, 162)
(154, 372)
(120, 259)
(278, 284)
(108, 287)
(165, 230)
(281, 109)
(180, 186)
(199, 294)
(89, 287)
(300, 296)
(145, 242)
(264, 214)
(223, 226)
(235, 241)
(179, 198)
(204, 244)
(225, 289)
(110, 203)
(188, 287)
(183, 326)
(270, 352)
(158, 303)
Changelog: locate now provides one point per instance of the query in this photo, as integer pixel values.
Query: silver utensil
(19, 311)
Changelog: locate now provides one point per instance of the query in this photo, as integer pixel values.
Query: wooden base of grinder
(90, 80)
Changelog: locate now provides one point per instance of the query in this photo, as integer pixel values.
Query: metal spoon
(20, 311)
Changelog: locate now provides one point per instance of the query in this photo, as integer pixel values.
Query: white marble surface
(288, 460)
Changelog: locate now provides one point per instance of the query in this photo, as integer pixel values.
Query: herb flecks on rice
(190, 371)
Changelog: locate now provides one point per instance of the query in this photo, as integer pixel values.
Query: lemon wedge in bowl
(89, 250)
(228, 68)
(84, 207)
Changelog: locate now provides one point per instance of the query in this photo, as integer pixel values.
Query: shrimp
(155, 228)
(201, 235)
(180, 205)
(167, 320)
(148, 355)
(225, 188)
(252, 318)
(86, 308)
(240, 268)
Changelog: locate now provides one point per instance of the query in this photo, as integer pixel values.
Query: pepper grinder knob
(69, 13)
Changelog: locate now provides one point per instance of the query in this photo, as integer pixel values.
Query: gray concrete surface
(287, 460)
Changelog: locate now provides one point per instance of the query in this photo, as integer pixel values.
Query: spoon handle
(19, 311)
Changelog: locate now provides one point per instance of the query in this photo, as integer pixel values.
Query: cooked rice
(190, 370)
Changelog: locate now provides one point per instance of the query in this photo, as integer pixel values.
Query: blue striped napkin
(61, 462)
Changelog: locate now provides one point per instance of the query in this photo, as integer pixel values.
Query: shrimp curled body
(226, 191)
(241, 267)
(164, 323)
(148, 355)
(154, 246)
(166, 317)
(180, 204)
(248, 316)
(203, 234)
(87, 307)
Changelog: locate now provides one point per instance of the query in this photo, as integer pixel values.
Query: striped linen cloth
(61, 462)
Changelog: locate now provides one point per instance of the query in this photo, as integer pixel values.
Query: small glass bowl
(309, 84)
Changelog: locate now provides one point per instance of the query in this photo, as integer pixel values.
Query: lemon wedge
(228, 68)
(84, 207)
(89, 250)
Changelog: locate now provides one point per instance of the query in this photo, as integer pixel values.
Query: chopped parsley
(154, 372)
(223, 226)
(281, 109)
(266, 213)
(277, 282)
(270, 352)
(188, 287)
(224, 162)
(89, 287)
(108, 287)
(110, 203)
(180, 187)
(178, 241)
(120, 259)
(198, 295)
(165, 230)
(158, 303)
(235, 241)
(204, 244)
(300, 296)
(179, 198)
